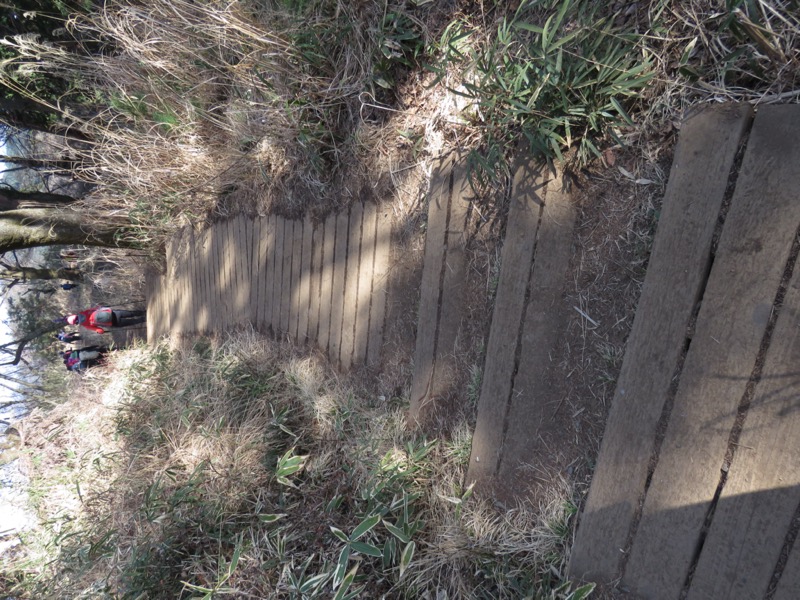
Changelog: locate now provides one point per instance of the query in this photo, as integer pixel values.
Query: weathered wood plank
(755, 244)
(789, 582)
(228, 274)
(202, 256)
(243, 275)
(351, 284)
(304, 293)
(268, 278)
(286, 284)
(171, 284)
(758, 502)
(453, 307)
(297, 259)
(365, 276)
(256, 271)
(316, 279)
(327, 283)
(533, 401)
(676, 274)
(337, 296)
(277, 275)
(380, 285)
(430, 288)
(517, 254)
(217, 282)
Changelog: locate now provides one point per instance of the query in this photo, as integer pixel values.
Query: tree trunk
(31, 273)
(11, 199)
(30, 227)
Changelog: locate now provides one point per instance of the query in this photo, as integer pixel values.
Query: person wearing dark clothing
(68, 286)
(102, 318)
(69, 337)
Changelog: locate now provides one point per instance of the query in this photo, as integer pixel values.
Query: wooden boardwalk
(696, 492)
(324, 283)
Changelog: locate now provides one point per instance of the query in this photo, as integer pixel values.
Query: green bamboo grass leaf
(346, 583)
(406, 557)
(622, 112)
(365, 526)
(397, 532)
(271, 518)
(341, 566)
(340, 534)
(368, 549)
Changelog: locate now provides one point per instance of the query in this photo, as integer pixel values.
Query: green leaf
(341, 566)
(367, 549)
(582, 592)
(388, 552)
(346, 583)
(405, 558)
(314, 583)
(621, 111)
(271, 518)
(340, 534)
(397, 532)
(363, 527)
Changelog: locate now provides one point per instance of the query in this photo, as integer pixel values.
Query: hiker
(86, 354)
(103, 318)
(68, 338)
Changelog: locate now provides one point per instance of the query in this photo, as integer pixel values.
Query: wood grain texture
(327, 283)
(380, 285)
(304, 288)
(316, 280)
(350, 312)
(753, 250)
(444, 380)
(277, 275)
(675, 279)
(294, 294)
(286, 283)
(517, 254)
(758, 502)
(430, 288)
(789, 582)
(337, 287)
(533, 401)
(366, 275)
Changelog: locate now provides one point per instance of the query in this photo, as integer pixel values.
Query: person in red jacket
(102, 318)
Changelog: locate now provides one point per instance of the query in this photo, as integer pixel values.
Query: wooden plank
(530, 417)
(294, 296)
(453, 308)
(327, 283)
(350, 312)
(171, 283)
(256, 271)
(517, 254)
(243, 275)
(267, 258)
(316, 274)
(758, 502)
(305, 281)
(204, 302)
(217, 306)
(277, 275)
(756, 240)
(152, 305)
(430, 288)
(380, 285)
(365, 274)
(337, 294)
(789, 582)
(676, 273)
(286, 283)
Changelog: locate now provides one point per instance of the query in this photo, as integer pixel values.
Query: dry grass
(172, 475)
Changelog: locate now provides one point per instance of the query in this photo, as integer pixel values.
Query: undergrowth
(236, 469)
